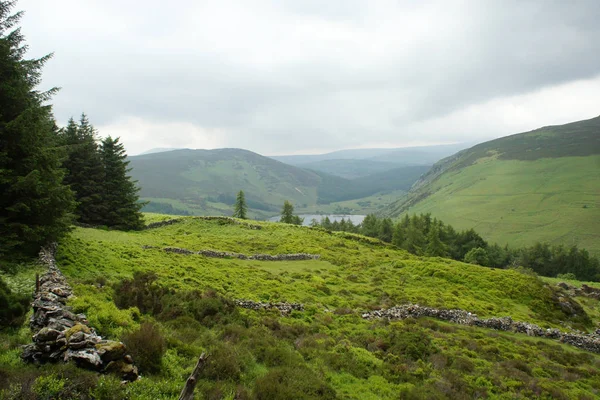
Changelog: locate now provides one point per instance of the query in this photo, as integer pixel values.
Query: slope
(326, 350)
(206, 182)
(418, 155)
(542, 185)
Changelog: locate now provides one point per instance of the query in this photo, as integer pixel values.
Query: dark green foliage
(477, 256)
(85, 172)
(121, 206)
(147, 347)
(240, 209)
(292, 383)
(287, 214)
(208, 308)
(435, 247)
(35, 206)
(13, 307)
(142, 292)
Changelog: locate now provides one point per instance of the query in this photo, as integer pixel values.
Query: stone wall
(284, 308)
(225, 220)
(589, 342)
(226, 254)
(61, 335)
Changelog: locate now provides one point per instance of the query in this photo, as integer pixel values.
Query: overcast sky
(310, 76)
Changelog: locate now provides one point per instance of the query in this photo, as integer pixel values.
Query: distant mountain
(159, 150)
(349, 169)
(419, 155)
(207, 181)
(542, 185)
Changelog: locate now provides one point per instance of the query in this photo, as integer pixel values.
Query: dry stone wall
(589, 342)
(284, 308)
(226, 254)
(61, 335)
(225, 220)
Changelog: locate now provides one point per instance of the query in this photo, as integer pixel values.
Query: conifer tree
(35, 205)
(121, 206)
(240, 208)
(287, 214)
(435, 247)
(85, 172)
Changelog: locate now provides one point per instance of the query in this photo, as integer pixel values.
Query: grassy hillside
(417, 155)
(349, 169)
(205, 182)
(327, 350)
(541, 185)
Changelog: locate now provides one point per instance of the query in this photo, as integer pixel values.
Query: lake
(356, 219)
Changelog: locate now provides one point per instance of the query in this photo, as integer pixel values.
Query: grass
(328, 346)
(553, 200)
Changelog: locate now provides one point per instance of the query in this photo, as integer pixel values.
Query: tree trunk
(188, 390)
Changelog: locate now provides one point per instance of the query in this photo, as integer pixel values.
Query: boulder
(110, 350)
(86, 358)
(46, 335)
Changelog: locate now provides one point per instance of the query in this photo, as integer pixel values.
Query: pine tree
(435, 247)
(240, 208)
(287, 214)
(35, 206)
(386, 230)
(85, 172)
(121, 206)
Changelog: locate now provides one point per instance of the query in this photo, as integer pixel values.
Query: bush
(292, 383)
(147, 347)
(13, 307)
(142, 292)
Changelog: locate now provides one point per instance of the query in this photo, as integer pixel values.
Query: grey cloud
(277, 75)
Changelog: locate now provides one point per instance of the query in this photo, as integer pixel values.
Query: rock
(76, 337)
(110, 350)
(127, 371)
(77, 328)
(46, 335)
(128, 359)
(86, 358)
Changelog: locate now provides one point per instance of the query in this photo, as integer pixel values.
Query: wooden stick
(188, 390)
(37, 283)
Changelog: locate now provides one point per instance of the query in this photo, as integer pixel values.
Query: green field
(538, 186)
(325, 351)
(522, 202)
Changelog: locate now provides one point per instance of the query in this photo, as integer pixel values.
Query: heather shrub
(147, 347)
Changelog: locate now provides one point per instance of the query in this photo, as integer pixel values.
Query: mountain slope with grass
(205, 182)
(538, 186)
(169, 305)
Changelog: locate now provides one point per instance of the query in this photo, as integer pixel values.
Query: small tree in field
(287, 215)
(240, 208)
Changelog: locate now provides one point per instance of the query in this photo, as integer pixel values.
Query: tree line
(51, 177)
(426, 236)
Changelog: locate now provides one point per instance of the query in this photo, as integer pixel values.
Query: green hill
(205, 182)
(542, 185)
(349, 169)
(325, 350)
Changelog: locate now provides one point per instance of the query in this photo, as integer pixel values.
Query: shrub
(147, 347)
(142, 292)
(13, 307)
(292, 383)
(225, 363)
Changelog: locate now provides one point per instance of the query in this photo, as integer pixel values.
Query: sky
(311, 76)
